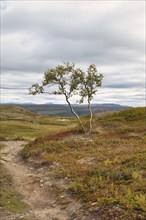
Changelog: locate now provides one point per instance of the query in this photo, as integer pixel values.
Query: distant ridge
(63, 109)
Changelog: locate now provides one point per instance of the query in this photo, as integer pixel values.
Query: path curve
(28, 184)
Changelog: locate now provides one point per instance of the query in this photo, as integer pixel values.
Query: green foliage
(70, 81)
(36, 89)
(89, 81)
(61, 76)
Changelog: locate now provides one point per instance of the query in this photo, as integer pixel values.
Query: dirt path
(31, 186)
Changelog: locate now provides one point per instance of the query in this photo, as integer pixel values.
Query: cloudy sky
(37, 35)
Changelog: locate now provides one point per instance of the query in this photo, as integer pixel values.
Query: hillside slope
(64, 111)
(14, 112)
(132, 119)
(107, 170)
(20, 124)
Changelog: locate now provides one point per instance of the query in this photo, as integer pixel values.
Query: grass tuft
(10, 200)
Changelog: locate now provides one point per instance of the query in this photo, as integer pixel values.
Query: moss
(10, 200)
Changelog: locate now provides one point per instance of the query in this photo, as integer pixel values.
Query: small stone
(94, 203)
(41, 185)
(62, 196)
(41, 181)
(53, 205)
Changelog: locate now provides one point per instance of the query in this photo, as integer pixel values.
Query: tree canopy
(70, 81)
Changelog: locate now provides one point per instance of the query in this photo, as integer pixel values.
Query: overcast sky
(37, 35)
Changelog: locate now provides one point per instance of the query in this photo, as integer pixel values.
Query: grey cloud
(107, 34)
(96, 40)
(124, 85)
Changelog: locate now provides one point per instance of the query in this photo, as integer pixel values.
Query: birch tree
(62, 76)
(70, 81)
(88, 83)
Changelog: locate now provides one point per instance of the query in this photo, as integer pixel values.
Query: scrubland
(105, 170)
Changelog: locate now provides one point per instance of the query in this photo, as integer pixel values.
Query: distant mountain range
(63, 109)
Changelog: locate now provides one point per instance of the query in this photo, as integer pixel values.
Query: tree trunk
(91, 117)
(75, 114)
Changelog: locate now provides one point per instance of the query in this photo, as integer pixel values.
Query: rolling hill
(105, 171)
(63, 110)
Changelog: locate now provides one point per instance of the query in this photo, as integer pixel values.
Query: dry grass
(28, 126)
(106, 170)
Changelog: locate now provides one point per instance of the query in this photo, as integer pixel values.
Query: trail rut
(29, 185)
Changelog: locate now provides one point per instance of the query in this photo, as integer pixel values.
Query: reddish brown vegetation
(119, 134)
(56, 137)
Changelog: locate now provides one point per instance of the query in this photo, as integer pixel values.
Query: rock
(41, 181)
(94, 203)
(53, 205)
(62, 196)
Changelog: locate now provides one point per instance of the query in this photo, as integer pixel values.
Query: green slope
(107, 170)
(19, 123)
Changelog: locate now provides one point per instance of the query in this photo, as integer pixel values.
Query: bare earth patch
(44, 195)
(28, 184)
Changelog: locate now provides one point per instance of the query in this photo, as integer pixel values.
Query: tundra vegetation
(10, 199)
(71, 81)
(106, 170)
